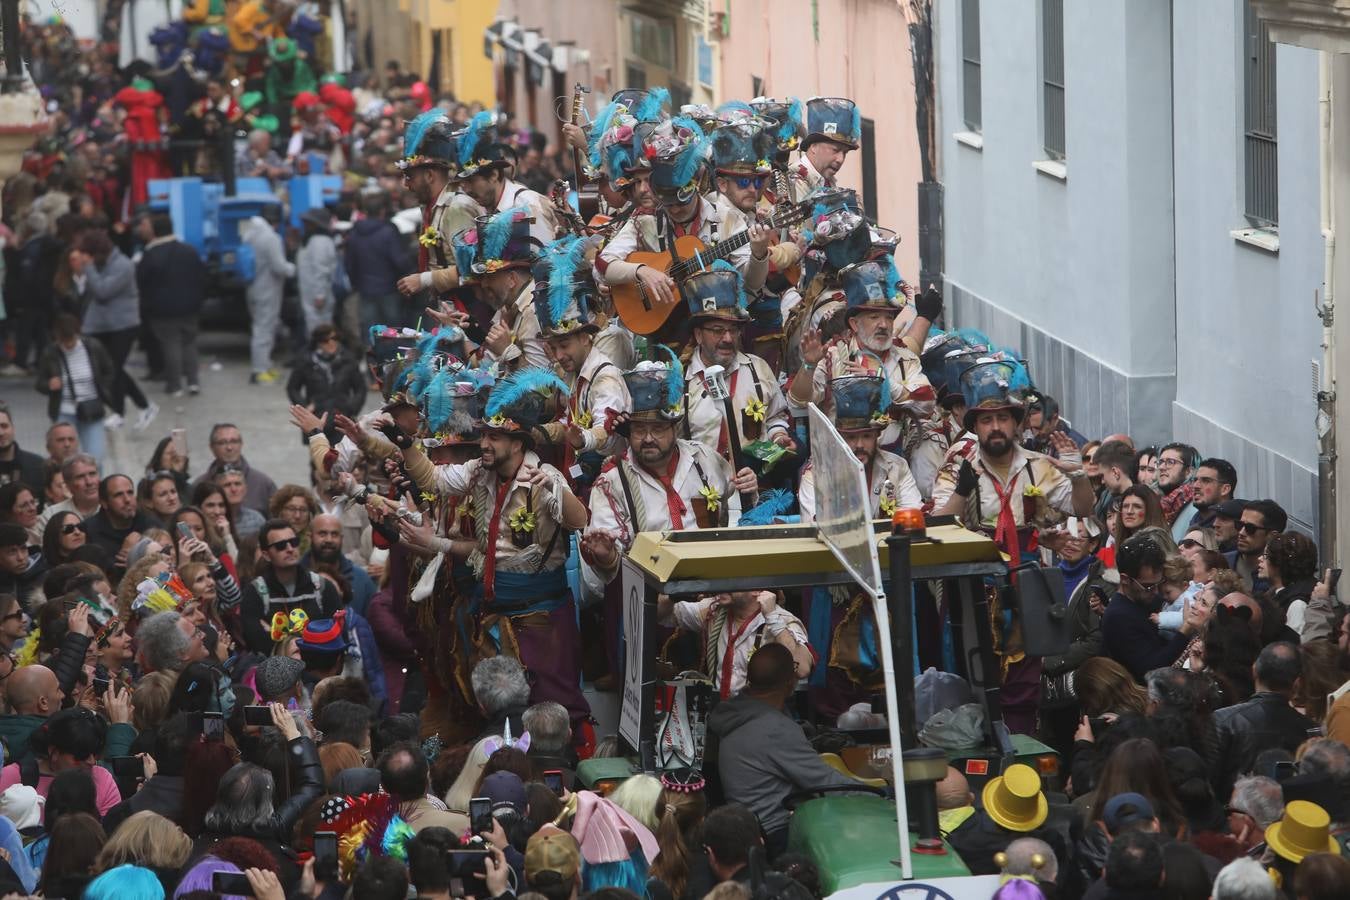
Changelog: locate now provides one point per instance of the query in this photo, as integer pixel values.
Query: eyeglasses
(1146, 585)
(721, 331)
(72, 528)
(746, 181)
(1250, 528)
(1188, 544)
(1169, 463)
(284, 543)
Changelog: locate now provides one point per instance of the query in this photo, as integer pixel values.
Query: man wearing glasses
(283, 585)
(1176, 466)
(227, 448)
(833, 129)
(1128, 636)
(1260, 519)
(676, 179)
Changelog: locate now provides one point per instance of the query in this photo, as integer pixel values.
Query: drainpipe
(1326, 394)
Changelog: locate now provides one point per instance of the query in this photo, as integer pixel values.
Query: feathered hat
(860, 403)
(716, 293)
(453, 402)
(946, 355)
(834, 119)
(872, 285)
(162, 593)
(518, 402)
(643, 105)
(788, 130)
(990, 385)
(676, 150)
(742, 148)
(837, 231)
(477, 147)
(499, 241)
(703, 114)
(564, 291)
(429, 140)
(657, 389)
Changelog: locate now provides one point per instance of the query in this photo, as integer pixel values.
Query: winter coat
(335, 385)
(376, 256)
(110, 292)
(171, 278)
(270, 268)
(315, 264)
(51, 364)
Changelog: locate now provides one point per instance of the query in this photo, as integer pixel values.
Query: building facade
(1131, 198)
(440, 40)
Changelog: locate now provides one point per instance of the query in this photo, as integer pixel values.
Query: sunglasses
(1249, 528)
(283, 544)
(746, 181)
(1146, 585)
(1188, 544)
(71, 529)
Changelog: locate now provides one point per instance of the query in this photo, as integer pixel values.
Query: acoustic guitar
(641, 314)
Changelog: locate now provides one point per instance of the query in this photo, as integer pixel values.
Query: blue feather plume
(892, 275)
(421, 370)
(855, 128)
(498, 231)
(439, 400)
(565, 256)
(649, 110)
(692, 155)
(722, 265)
(773, 504)
(674, 380)
(599, 125)
(468, 142)
(415, 130)
(620, 157)
(464, 253)
(794, 120)
(517, 385)
(971, 337)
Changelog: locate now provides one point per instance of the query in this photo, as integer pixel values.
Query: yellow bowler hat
(1304, 830)
(1014, 799)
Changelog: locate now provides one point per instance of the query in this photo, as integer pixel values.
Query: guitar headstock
(801, 211)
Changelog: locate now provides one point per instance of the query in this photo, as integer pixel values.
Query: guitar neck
(724, 248)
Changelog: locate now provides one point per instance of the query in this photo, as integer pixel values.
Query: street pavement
(271, 442)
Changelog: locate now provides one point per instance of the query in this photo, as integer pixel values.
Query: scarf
(1175, 501)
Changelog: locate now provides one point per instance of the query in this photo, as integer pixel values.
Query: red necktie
(423, 251)
(494, 529)
(729, 658)
(673, 501)
(1005, 530)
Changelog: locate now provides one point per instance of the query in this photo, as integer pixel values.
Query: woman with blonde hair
(148, 566)
(638, 796)
(150, 700)
(680, 812)
(461, 792)
(146, 839)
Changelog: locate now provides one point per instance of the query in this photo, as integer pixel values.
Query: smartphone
(128, 766)
(480, 814)
(553, 780)
(185, 531)
(231, 883)
(101, 686)
(178, 436)
(1333, 580)
(260, 716)
(213, 727)
(326, 855)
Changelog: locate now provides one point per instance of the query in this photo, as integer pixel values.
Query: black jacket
(333, 386)
(51, 364)
(27, 586)
(1264, 722)
(160, 793)
(1132, 640)
(377, 257)
(108, 538)
(318, 603)
(306, 774)
(25, 468)
(1086, 625)
(171, 278)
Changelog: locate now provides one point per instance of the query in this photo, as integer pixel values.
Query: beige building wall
(861, 52)
(410, 32)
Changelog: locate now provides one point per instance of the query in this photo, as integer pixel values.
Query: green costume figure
(288, 76)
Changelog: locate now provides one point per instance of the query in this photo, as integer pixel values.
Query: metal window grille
(970, 64)
(1052, 65)
(1262, 199)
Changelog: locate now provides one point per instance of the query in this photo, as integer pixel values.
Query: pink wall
(862, 54)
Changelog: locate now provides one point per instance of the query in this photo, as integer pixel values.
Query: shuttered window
(1261, 164)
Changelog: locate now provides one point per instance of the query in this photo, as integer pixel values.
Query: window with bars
(1260, 148)
(1052, 77)
(970, 65)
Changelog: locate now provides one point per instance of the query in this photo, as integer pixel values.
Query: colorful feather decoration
(565, 256)
(599, 126)
(498, 231)
(674, 379)
(468, 140)
(510, 389)
(650, 107)
(415, 130)
(892, 275)
(789, 128)
(722, 265)
(734, 106)
(465, 250)
(772, 505)
(396, 837)
(855, 127)
(620, 157)
(971, 337)
(690, 156)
